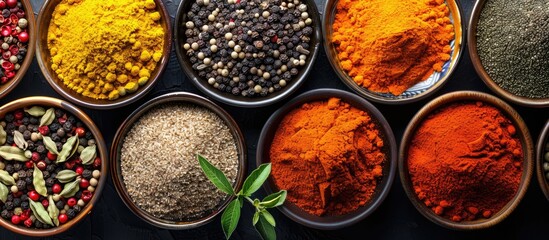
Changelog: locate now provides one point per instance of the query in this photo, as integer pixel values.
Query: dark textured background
(395, 219)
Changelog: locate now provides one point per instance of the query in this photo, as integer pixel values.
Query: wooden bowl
(44, 60)
(5, 89)
(241, 101)
(116, 170)
(419, 91)
(389, 169)
(481, 71)
(523, 135)
(541, 150)
(102, 150)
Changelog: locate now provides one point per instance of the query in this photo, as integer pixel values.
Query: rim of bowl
(103, 153)
(240, 101)
(175, 97)
(327, 22)
(389, 169)
(481, 71)
(43, 56)
(7, 88)
(542, 141)
(528, 154)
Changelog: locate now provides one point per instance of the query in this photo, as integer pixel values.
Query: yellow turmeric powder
(387, 46)
(104, 49)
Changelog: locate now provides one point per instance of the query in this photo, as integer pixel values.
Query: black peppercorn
(60, 205)
(24, 204)
(87, 174)
(6, 214)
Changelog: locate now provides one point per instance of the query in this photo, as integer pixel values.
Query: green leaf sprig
(262, 220)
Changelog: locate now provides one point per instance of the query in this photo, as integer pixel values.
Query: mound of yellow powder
(104, 49)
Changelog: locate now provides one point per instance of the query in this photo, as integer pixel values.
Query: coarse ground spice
(387, 46)
(159, 165)
(513, 45)
(328, 156)
(105, 49)
(465, 161)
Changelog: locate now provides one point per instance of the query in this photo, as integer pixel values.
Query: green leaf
(48, 117)
(88, 155)
(53, 212)
(274, 200)
(270, 219)
(215, 175)
(13, 153)
(265, 229)
(39, 182)
(256, 179)
(50, 145)
(68, 149)
(229, 219)
(36, 111)
(4, 191)
(40, 213)
(256, 218)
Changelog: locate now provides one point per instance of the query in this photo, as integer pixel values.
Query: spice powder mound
(159, 166)
(105, 49)
(328, 156)
(388, 46)
(465, 161)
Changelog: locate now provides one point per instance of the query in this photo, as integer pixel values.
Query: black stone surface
(395, 219)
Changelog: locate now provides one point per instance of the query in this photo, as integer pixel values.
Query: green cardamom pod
(66, 176)
(4, 191)
(40, 213)
(88, 155)
(3, 135)
(53, 212)
(6, 178)
(39, 182)
(50, 145)
(12, 153)
(70, 189)
(48, 117)
(36, 111)
(20, 140)
(69, 148)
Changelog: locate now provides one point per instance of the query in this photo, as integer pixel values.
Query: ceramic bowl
(44, 60)
(542, 149)
(5, 89)
(416, 92)
(116, 170)
(389, 169)
(522, 133)
(102, 153)
(481, 71)
(241, 101)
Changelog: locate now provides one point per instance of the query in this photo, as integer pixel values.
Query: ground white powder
(159, 165)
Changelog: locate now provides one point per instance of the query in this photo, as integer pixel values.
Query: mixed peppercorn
(248, 47)
(14, 38)
(49, 167)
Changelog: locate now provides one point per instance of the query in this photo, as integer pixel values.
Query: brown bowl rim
(543, 139)
(179, 97)
(12, 84)
(327, 22)
(528, 164)
(481, 71)
(72, 96)
(389, 169)
(240, 101)
(103, 153)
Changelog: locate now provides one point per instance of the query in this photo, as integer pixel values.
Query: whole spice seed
(105, 49)
(158, 161)
(249, 48)
(387, 46)
(329, 156)
(32, 180)
(513, 45)
(465, 161)
(14, 38)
